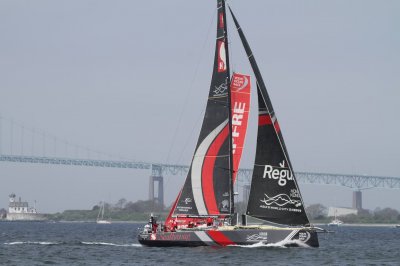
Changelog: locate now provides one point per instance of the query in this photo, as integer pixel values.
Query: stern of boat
(308, 237)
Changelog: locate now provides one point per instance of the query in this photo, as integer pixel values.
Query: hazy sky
(131, 78)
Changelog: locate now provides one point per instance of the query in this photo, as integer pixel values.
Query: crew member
(191, 224)
(174, 225)
(153, 223)
(210, 221)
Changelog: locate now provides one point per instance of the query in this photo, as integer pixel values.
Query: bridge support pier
(156, 176)
(246, 194)
(357, 200)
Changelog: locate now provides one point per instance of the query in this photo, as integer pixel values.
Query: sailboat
(100, 216)
(203, 213)
(335, 221)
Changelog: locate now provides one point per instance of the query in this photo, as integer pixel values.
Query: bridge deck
(351, 181)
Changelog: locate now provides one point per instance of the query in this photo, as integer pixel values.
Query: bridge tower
(156, 176)
(246, 194)
(357, 200)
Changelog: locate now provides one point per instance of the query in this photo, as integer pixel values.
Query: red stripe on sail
(220, 238)
(264, 120)
(169, 218)
(277, 127)
(207, 174)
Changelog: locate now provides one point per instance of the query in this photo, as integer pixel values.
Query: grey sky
(129, 78)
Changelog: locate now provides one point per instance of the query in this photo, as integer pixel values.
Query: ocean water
(23, 243)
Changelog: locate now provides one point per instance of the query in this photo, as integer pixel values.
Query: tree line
(140, 206)
(319, 213)
(124, 210)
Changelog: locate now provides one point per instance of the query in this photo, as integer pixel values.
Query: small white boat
(335, 222)
(103, 222)
(100, 216)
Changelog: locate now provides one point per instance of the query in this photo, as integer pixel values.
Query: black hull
(289, 237)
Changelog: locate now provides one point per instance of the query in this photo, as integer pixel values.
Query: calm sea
(116, 244)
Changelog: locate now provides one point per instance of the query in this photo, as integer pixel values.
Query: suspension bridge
(22, 144)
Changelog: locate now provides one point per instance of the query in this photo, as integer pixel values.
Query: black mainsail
(208, 185)
(274, 194)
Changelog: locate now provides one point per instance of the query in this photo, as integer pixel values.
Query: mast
(228, 81)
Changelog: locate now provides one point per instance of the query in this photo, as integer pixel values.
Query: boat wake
(110, 244)
(31, 243)
(281, 244)
(79, 243)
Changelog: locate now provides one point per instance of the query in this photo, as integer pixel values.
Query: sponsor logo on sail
(188, 200)
(221, 56)
(281, 173)
(184, 205)
(183, 208)
(221, 20)
(294, 193)
(279, 202)
(237, 117)
(224, 206)
(240, 82)
(220, 90)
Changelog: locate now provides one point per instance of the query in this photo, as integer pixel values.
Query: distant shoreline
(112, 222)
(360, 225)
(142, 222)
(52, 221)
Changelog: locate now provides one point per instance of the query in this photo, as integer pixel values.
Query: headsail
(207, 189)
(240, 107)
(274, 193)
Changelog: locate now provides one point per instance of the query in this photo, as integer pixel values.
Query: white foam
(259, 245)
(31, 243)
(297, 242)
(111, 244)
(280, 244)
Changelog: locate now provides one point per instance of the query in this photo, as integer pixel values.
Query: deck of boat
(237, 227)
